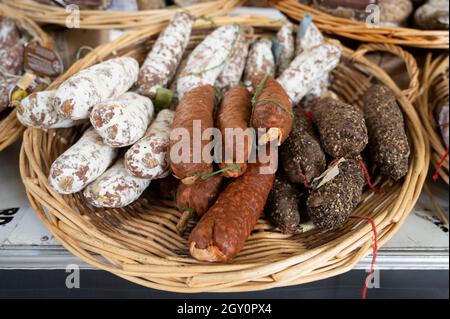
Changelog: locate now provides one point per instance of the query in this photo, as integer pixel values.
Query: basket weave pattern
(140, 242)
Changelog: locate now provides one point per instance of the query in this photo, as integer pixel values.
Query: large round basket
(10, 127)
(434, 93)
(140, 242)
(101, 19)
(362, 32)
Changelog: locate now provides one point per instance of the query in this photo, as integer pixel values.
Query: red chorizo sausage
(272, 109)
(196, 105)
(223, 230)
(234, 113)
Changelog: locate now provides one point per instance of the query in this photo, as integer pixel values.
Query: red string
(440, 165)
(366, 172)
(374, 254)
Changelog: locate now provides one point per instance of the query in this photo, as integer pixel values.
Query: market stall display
(16, 33)
(57, 12)
(355, 20)
(141, 242)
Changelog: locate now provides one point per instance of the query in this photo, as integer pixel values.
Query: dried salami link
(443, 119)
(283, 206)
(308, 68)
(124, 120)
(98, 83)
(260, 61)
(161, 63)
(342, 128)
(11, 47)
(234, 117)
(388, 142)
(272, 110)
(285, 39)
(221, 233)
(331, 204)
(148, 157)
(197, 198)
(208, 59)
(115, 188)
(196, 107)
(37, 110)
(232, 73)
(7, 83)
(302, 156)
(81, 164)
(308, 36)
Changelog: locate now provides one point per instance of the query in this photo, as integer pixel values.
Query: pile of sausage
(231, 80)
(11, 59)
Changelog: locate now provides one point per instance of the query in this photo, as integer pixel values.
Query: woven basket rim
(10, 127)
(388, 208)
(102, 19)
(433, 69)
(429, 39)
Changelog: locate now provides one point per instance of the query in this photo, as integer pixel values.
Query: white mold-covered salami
(260, 61)
(162, 61)
(81, 164)
(148, 157)
(38, 110)
(11, 47)
(232, 73)
(122, 121)
(115, 188)
(308, 36)
(443, 123)
(208, 59)
(98, 83)
(285, 39)
(308, 69)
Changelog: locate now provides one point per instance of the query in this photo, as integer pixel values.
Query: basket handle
(411, 64)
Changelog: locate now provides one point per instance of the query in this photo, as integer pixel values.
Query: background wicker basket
(140, 243)
(10, 127)
(434, 93)
(101, 19)
(360, 31)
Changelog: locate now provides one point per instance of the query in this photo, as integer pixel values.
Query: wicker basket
(140, 242)
(360, 31)
(101, 19)
(10, 127)
(434, 93)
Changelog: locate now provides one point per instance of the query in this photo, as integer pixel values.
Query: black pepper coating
(301, 155)
(282, 206)
(388, 142)
(342, 129)
(331, 205)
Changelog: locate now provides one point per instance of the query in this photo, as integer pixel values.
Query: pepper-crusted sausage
(331, 204)
(37, 110)
(148, 157)
(161, 63)
(196, 107)
(124, 120)
(81, 164)
(77, 95)
(272, 109)
(301, 155)
(388, 143)
(234, 116)
(115, 188)
(341, 126)
(223, 230)
(308, 68)
(208, 59)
